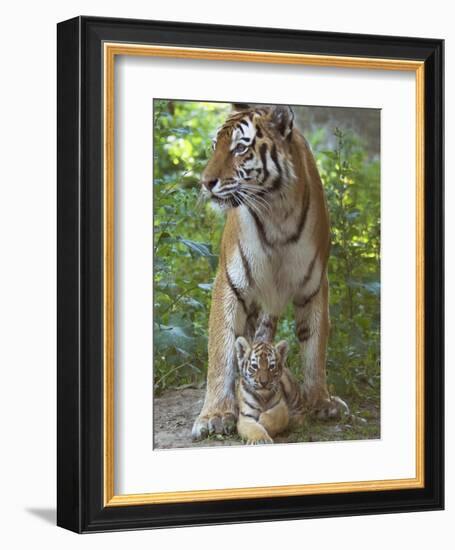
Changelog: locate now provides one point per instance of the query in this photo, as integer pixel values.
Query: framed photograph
(250, 274)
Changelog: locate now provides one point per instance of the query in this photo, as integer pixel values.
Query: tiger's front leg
(252, 432)
(276, 420)
(312, 329)
(227, 320)
(266, 327)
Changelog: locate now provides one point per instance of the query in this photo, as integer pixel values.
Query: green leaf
(353, 215)
(373, 287)
(201, 249)
(206, 286)
(172, 335)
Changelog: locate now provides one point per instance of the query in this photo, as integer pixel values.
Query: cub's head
(251, 157)
(261, 364)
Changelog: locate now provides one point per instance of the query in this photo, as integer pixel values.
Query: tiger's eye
(240, 149)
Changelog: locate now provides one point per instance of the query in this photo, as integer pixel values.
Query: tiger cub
(268, 395)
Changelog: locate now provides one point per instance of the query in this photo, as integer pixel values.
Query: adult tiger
(274, 250)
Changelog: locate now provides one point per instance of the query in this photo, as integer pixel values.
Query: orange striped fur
(274, 251)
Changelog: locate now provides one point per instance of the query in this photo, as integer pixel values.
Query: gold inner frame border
(110, 51)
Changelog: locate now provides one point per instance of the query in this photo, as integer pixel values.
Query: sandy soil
(175, 411)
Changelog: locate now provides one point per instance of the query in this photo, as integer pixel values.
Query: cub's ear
(283, 118)
(282, 349)
(242, 349)
(238, 107)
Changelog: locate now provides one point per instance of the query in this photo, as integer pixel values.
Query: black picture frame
(80, 474)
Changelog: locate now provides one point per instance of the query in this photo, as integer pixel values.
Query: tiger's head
(261, 364)
(251, 157)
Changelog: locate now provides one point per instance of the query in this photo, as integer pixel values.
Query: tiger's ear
(238, 107)
(282, 349)
(242, 349)
(282, 117)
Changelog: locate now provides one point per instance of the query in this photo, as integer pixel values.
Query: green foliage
(187, 235)
(352, 184)
(186, 240)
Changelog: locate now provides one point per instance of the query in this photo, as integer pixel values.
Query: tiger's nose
(210, 184)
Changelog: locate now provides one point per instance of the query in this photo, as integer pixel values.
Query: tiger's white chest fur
(274, 273)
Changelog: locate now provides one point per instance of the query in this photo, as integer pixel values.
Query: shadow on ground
(49, 515)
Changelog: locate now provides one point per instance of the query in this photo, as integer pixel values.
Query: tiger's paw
(264, 439)
(254, 434)
(330, 408)
(217, 421)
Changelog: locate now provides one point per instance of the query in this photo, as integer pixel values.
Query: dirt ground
(175, 411)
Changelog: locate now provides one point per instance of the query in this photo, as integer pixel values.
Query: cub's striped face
(251, 158)
(261, 364)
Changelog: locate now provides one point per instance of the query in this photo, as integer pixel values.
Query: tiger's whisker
(253, 190)
(249, 202)
(260, 201)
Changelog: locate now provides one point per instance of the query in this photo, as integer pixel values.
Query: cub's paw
(255, 434)
(330, 408)
(263, 440)
(216, 422)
